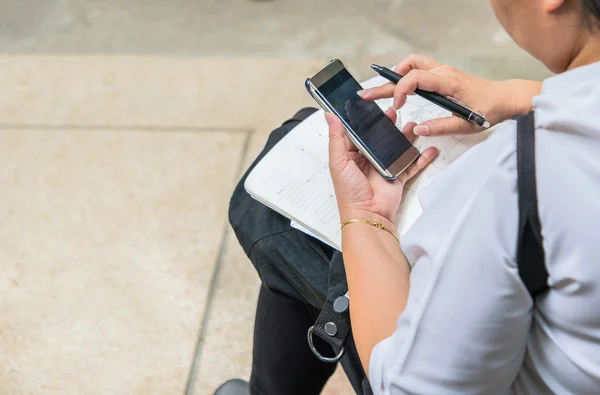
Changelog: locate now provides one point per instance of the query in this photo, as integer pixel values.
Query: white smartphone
(367, 126)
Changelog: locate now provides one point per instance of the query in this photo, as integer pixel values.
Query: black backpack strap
(530, 248)
(333, 326)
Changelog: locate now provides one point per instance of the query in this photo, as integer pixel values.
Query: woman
(456, 316)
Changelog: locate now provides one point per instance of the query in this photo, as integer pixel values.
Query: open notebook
(293, 178)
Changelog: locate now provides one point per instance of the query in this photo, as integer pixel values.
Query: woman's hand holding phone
(499, 100)
(360, 190)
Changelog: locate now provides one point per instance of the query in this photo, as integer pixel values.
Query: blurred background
(124, 126)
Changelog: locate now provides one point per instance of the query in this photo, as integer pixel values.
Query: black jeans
(282, 363)
(299, 274)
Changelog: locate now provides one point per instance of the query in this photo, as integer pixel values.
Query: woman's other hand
(498, 100)
(361, 192)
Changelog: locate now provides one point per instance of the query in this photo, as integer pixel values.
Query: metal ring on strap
(335, 359)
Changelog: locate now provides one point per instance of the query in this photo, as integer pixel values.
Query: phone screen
(370, 124)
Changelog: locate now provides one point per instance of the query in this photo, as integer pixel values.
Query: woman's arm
(376, 268)
(378, 281)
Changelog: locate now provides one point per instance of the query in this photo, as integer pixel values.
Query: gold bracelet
(378, 225)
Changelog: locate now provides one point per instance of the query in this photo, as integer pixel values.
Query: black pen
(452, 105)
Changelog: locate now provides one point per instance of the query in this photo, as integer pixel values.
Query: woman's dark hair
(591, 12)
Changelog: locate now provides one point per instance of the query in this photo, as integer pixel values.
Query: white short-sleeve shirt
(470, 326)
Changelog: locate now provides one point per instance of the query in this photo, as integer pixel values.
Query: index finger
(412, 62)
(424, 80)
(416, 62)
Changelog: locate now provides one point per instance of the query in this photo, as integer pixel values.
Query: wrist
(348, 214)
(514, 97)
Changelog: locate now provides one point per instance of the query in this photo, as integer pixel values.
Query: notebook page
(293, 178)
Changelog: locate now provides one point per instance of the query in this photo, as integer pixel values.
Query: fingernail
(396, 104)
(422, 130)
(391, 109)
(363, 93)
(431, 155)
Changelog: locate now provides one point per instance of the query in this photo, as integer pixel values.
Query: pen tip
(376, 67)
(486, 124)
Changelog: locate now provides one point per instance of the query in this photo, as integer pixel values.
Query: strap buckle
(311, 344)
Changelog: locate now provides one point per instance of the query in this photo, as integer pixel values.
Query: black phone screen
(368, 122)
